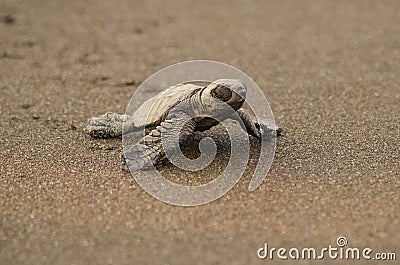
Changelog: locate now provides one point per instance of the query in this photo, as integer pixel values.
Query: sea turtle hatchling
(170, 113)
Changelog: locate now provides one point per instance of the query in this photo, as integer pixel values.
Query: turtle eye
(222, 93)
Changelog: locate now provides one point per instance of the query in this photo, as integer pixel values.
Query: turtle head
(229, 91)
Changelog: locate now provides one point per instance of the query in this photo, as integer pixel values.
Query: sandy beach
(329, 69)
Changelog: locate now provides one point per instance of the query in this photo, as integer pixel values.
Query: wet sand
(330, 71)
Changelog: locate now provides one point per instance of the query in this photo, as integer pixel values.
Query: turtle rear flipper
(108, 125)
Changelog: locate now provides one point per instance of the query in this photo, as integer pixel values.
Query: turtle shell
(153, 111)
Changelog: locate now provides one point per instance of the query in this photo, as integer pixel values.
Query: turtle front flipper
(260, 129)
(160, 143)
(108, 125)
(142, 156)
(268, 131)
